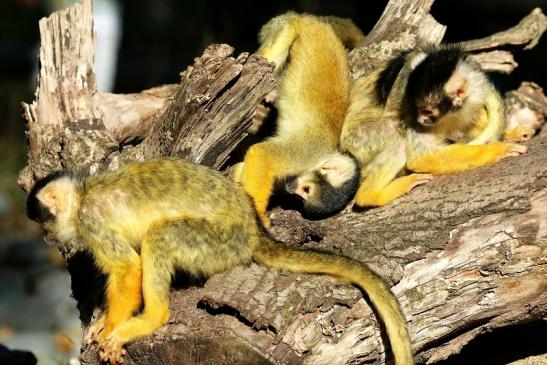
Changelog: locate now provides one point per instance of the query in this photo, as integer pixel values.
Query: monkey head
(51, 203)
(327, 188)
(443, 80)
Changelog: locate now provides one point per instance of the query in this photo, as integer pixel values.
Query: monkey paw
(94, 331)
(111, 350)
(419, 179)
(514, 149)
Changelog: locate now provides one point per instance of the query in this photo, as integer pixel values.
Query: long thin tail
(276, 255)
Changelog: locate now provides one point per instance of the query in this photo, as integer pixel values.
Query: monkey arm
(268, 161)
(198, 246)
(380, 185)
(258, 176)
(380, 149)
(123, 297)
(371, 193)
(123, 291)
(122, 265)
(459, 157)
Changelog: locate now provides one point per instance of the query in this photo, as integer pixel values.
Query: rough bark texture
(466, 254)
(71, 125)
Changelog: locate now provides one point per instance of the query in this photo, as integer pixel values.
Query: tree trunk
(467, 254)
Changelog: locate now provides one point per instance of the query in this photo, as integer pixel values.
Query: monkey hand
(111, 349)
(513, 149)
(94, 331)
(264, 219)
(371, 195)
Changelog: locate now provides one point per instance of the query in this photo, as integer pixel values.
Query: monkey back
(141, 194)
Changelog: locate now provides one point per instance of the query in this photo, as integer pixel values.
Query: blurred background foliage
(157, 40)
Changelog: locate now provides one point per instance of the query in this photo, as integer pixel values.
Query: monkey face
(328, 188)
(428, 116)
(49, 203)
(431, 108)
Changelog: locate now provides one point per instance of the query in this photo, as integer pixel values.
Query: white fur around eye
(305, 190)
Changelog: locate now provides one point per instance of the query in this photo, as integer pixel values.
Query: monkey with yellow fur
(403, 116)
(312, 99)
(147, 219)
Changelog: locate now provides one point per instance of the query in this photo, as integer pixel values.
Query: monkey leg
(155, 288)
(459, 157)
(123, 296)
(197, 246)
(380, 186)
(258, 176)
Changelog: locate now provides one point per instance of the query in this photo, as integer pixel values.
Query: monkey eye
(305, 191)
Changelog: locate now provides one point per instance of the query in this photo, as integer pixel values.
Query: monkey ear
(338, 168)
(48, 197)
(457, 86)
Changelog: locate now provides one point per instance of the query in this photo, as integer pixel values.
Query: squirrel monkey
(312, 99)
(403, 116)
(147, 219)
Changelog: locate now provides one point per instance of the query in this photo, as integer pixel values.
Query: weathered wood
(402, 25)
(466, 254)
(210, 116)
(526, 109)
(526, 34)
(64, 116)
(496, 61)
(128, 117)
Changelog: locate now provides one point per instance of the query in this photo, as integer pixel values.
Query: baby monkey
(147, 219)
(430, 111)
(312, 99)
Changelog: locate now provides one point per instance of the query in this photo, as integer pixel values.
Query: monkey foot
(112, 350)
(514, 149)
(94, 331)
(419, 179)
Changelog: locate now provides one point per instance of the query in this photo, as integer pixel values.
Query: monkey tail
(349, 34)
(276, 255)
(276, 38)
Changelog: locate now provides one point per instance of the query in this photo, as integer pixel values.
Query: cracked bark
(467, 254)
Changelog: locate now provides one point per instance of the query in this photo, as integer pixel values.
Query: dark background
(160, 38)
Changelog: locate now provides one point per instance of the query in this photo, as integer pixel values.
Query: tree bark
(466, 254)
